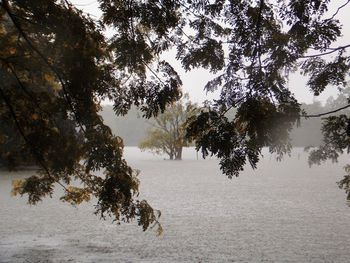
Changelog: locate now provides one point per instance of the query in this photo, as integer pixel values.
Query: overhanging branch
(37, 154)
(6, 7)
(325, 113)
(326, 53)
(340, 7)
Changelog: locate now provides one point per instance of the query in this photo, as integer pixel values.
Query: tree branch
(340, 7)
(5, 5)
(38, 155)
(325, 113)
(11, 68)
(164, 128)
(326, 53)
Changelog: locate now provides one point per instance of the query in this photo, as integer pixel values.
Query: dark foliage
(56, 65)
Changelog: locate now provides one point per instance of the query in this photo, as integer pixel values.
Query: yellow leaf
(12, 50)
(16, 187)
(2, 30)
(49, 77)
(35, 116)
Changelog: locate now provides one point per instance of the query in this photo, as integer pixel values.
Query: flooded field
(282, 212)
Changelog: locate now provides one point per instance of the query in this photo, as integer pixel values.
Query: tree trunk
(178, 153)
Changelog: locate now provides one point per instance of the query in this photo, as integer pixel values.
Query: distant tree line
(132, 128)
(309, 133)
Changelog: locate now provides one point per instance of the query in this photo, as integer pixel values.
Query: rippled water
(283, 212)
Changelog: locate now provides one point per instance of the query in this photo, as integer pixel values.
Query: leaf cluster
(53, 78)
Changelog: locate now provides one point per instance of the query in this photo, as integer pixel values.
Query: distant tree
(167, 134)
(131, 127)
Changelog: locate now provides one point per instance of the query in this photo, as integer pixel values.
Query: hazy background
(132, 127)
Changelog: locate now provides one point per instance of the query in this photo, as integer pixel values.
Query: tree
(167, 135)
(50, 71)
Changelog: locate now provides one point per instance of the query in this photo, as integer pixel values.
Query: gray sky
(194, 81)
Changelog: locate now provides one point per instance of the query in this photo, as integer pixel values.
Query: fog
(281, 212)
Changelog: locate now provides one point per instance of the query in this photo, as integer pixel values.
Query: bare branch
(326, 53)
(152, 71)
(325, 113)
(159, 126)
(340, 7)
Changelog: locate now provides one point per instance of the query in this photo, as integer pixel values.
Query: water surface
(283, 212)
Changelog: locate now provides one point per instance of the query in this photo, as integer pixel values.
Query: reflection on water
(283, 212)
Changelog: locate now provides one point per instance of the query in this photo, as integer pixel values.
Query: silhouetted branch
(21, 85)
(340, 7)
(5, 5)
(327, 53)
(325, 113)
(37, 154)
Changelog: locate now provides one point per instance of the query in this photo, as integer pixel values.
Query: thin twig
(152, 71)
(340, 7)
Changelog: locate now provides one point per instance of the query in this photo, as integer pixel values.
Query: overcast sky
(194, 81)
